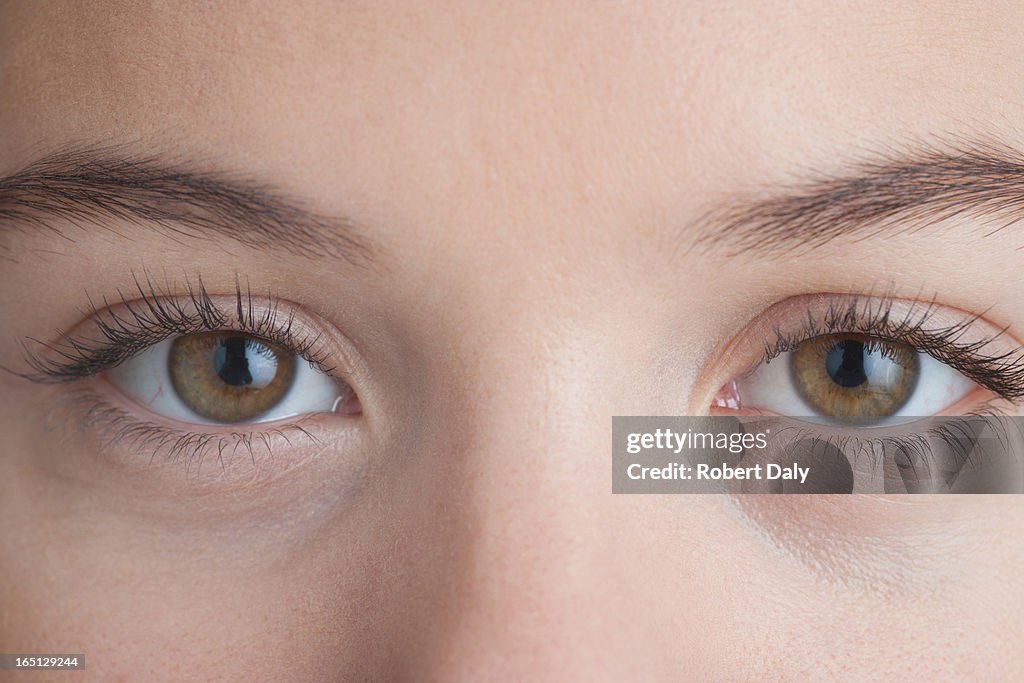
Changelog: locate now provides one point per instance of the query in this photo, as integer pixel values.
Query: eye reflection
(854, 377)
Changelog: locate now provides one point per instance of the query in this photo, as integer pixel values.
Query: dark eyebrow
(879, 195)
(95, 185)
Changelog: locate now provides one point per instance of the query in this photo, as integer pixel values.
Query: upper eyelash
(154, 317)
(1002, 373)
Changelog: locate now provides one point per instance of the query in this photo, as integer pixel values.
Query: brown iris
(854, 377)
(229, 376)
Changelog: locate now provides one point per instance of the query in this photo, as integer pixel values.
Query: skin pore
(503, 225)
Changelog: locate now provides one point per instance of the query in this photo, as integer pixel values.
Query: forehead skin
(421, 99)
(524, 127)
(556, 146)
(615, 127)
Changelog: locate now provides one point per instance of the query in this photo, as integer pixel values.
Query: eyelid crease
(1001, 372)
(155, 316)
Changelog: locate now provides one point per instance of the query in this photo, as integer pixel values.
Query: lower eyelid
(217, 456)
(259, 477)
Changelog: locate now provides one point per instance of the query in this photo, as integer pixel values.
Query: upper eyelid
(133, 325)
(880, 316)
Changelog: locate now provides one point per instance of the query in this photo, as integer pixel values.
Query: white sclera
(770, 388)
(146, 379)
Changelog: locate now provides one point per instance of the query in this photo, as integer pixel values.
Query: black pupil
(231, 361)
(845, 363)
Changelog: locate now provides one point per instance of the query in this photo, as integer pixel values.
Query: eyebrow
(880, 195)
(93, 186)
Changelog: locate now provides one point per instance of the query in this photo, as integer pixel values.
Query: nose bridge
(536, 473)
(535, 593)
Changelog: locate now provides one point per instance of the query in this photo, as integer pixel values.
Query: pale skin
(531, 178)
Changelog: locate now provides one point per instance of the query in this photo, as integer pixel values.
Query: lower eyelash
(120, 429)
(1002, 373)
(956, 437)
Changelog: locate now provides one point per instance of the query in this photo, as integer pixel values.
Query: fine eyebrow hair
(94, 186)
(879, 195)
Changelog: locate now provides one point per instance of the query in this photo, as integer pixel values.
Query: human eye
(189, 375)
(880, 395)
(862, 361)
(225, 377)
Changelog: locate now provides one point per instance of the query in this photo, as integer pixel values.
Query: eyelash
(156, 316)
(179, 445)
(1001, 373)
(957, 439)
(153, 317)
